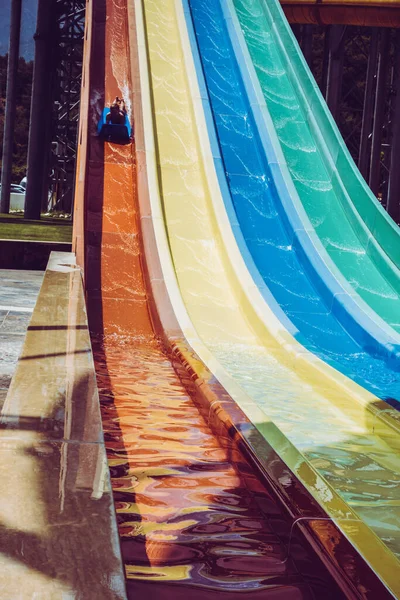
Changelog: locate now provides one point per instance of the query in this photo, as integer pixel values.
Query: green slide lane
(359, 236)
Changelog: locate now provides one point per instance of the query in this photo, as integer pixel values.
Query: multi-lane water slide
(201, 297)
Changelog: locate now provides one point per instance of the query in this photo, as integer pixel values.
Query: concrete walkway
(58, 529)
(18, 293)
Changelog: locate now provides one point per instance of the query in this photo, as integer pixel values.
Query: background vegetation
(24, 86)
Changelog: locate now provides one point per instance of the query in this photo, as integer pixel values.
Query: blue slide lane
(256, 213)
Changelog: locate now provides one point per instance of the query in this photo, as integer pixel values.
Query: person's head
(122, 105)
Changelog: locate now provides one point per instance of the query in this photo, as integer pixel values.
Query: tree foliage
(21, 129)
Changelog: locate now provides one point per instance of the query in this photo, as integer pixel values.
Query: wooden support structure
(38, 151)
(335, 67)
(368, 108)
(11, 96)
(393, 200)
(379, 111)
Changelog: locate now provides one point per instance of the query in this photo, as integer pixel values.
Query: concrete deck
(18, 294)
(58, 531)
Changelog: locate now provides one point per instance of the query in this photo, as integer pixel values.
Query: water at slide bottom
(191, 513)
(359, 465)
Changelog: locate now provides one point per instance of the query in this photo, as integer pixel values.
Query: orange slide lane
(193, 517)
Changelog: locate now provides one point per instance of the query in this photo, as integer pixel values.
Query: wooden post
(11, 97)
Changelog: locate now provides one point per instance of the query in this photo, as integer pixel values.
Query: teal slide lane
(257, 203)
(358, 235)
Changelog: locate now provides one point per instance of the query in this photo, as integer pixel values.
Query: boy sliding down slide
(117, 113)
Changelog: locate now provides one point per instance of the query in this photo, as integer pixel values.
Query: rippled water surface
(360, 466)
(189, 511)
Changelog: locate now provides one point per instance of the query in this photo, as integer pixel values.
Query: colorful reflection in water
(189, 511)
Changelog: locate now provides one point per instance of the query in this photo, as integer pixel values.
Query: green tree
(21, 130)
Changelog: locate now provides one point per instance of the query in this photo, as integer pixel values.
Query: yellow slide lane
(320, 412)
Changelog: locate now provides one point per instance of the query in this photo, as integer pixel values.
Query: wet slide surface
(322, 190)
(341, 446)
(261, 219)
(191, 513)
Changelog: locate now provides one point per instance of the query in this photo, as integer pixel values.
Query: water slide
(268, 143)
(320, 414)
(161, 260)
(358, 235)
(285, 245)
(276, 230)
(191, 508)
